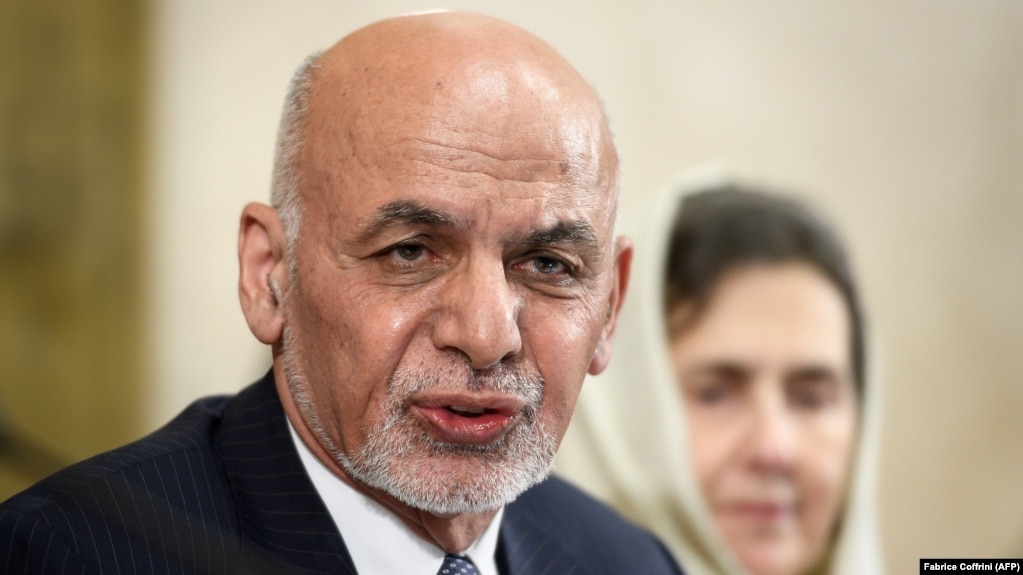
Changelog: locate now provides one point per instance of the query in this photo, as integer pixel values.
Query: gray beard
(401, 459)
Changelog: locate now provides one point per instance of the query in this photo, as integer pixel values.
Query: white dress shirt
(378, 541)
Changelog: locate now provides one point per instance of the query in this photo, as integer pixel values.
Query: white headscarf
(628, 444)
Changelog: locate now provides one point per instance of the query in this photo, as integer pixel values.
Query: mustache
(518, 380)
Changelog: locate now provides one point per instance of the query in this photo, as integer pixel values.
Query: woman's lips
(467, 419)
(761, 511)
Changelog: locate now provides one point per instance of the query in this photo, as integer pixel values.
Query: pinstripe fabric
(221, 490)
(555, 529)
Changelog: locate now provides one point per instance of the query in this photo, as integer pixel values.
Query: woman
(735, 420)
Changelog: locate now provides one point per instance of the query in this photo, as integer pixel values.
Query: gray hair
(284, 189)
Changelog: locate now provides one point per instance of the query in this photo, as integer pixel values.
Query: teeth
(466, 410)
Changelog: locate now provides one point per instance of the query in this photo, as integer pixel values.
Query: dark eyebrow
(813, 373)
(728, 369)
(404, 213)
(572, 232)
(575, 232)
(411, 213)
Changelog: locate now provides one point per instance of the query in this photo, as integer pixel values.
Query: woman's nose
(774, 435)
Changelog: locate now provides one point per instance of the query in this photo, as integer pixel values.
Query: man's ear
(261, 251)
(622, 267)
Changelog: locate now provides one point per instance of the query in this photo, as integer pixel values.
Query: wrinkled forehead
(450, 107)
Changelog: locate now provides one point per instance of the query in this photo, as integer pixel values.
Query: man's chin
(404, 460)
(468, 480)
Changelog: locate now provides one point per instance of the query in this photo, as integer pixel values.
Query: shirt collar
(376, 538)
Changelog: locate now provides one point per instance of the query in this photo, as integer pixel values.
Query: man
(437, 276)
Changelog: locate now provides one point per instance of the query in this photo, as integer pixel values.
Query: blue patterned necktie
(458, 565)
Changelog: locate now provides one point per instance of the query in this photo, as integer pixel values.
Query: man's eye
(409, 252)
(547, 265)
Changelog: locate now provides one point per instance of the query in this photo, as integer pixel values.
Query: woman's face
(767, 385)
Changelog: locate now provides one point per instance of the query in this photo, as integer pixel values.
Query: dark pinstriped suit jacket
(220, 489)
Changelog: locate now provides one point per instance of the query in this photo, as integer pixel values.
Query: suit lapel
(279, 509)
(526, 548)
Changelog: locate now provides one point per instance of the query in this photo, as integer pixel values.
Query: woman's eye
(711, 393)
(812, 396)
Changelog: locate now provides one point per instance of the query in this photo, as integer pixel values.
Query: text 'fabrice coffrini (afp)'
(971, 565)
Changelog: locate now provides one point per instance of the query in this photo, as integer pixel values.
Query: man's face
(450, 285)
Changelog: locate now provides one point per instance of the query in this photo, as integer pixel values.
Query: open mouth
(467, 420)
(468, 411)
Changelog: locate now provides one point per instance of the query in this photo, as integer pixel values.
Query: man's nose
(479, 315)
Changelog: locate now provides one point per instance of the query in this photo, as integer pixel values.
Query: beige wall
(904, 119)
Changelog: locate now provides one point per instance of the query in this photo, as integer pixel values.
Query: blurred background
(133, 132)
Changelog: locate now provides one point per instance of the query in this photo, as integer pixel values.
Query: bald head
(425, 48)
(455, 80)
